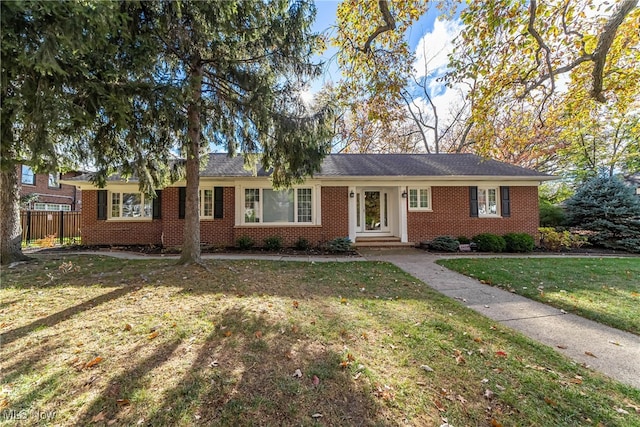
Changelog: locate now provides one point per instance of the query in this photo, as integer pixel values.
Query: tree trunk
(191, 237)
(10, 230)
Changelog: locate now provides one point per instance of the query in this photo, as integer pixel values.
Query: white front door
(373, 211)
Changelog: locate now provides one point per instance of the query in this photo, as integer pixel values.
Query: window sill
(135, 219)
(489, 216)
(277, 224)
(420, 210)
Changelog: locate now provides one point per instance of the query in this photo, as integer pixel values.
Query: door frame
(385, 230)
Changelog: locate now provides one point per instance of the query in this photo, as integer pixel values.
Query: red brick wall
(101, 232)
(335, 222)
(65, 194)
(217, 232)
(450, 216)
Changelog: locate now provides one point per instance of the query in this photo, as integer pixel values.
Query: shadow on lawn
(54, 319)
(246, 379)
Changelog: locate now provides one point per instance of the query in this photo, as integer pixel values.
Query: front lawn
(606, 290)
(103, 341)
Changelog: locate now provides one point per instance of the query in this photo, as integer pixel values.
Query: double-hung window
(420, 199)
(28, 177)
(54, 180)
(206, 203)
(130, 205)
(265, 205)
(488, 201)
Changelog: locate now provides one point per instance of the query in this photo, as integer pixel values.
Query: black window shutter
(218, 202)
(157, 205)
(505, 201)
(182, 199)
(473, 201)
(102, 204)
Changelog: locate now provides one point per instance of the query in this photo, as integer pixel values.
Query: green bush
(519, 242)
(488, 242)
(551, 215)
(444, 244)
(554, 240)
(339, 244)
(302, 244)
(464, 240)
(273, 243)
(245, 242)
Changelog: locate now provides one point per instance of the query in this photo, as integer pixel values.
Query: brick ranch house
(393, 197)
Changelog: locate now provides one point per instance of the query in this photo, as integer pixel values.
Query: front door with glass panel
(373, 209)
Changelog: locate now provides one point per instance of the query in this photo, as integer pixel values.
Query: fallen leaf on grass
(477, 339)
(550, 401)
(227, 334)
(97, 418)
(588, 353)
(127, 327)
(427, 368)
(622, 411)
(316, 380)
(316, 416)
(495, 423)
(297, 373)
(258, 334)
(295, 304)
(501, 353)
(488, 394)
(123, 402)
(439, 405)
(153, 335)
(93, 362)
(343, 301)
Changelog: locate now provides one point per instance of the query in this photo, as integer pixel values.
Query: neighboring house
(634, 181)
(45, 192)
(388, 197)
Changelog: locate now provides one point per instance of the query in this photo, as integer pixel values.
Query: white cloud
(434, 47)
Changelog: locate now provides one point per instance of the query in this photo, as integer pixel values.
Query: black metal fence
(42, 224)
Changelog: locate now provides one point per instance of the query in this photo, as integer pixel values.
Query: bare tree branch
(390, 25)
(604, 44)
(598, 57)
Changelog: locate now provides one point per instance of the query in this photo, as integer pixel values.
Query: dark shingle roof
(372, 165)
(413, 165)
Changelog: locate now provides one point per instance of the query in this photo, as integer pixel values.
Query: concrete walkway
(617, 353)
(614, 353)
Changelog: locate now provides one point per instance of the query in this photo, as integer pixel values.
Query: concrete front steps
(382, 242)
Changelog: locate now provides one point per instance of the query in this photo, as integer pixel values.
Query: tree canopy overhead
(169, 75)
(520, 65)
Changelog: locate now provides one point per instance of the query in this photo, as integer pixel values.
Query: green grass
(229, 341)
(606, 290)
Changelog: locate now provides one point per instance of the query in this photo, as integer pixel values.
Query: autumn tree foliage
(533, 73)
(556, 65)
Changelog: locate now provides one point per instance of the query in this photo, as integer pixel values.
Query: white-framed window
(130, 205)
(488, 201)
(206, 203)
(268, 206)
(54, 180)
(28, 177)
(420, 199)
(54, 207)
